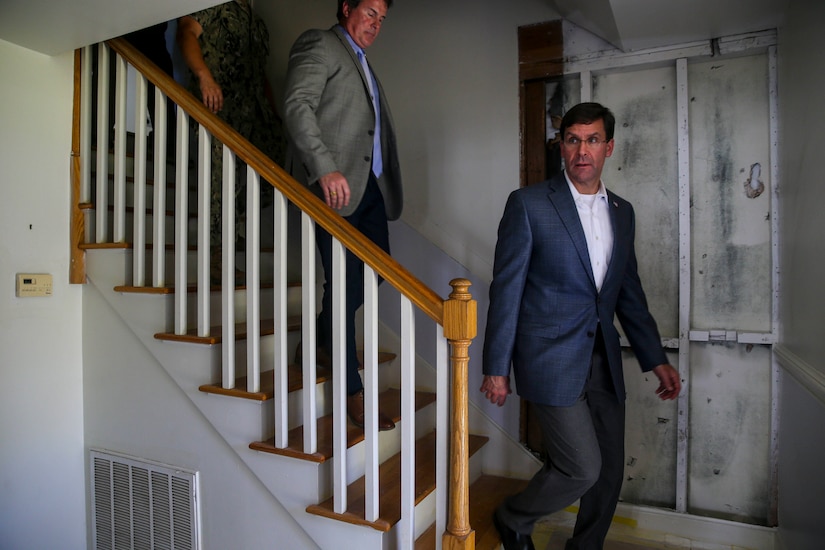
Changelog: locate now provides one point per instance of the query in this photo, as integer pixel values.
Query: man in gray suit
(565, 263)
(342, 145)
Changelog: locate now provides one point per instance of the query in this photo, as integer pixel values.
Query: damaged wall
(732, 250)
(728, 454)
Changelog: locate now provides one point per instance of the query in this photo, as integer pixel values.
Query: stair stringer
(295, 483)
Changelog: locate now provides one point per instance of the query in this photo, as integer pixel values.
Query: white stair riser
(128, 227)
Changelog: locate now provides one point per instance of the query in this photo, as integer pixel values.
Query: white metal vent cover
(138, 504)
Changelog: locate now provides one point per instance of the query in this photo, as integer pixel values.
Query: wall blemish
(753, 185)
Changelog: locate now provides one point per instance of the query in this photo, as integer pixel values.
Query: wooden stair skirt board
(389, 474)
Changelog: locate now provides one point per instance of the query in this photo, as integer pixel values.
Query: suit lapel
(613, 209)
(562, 200)
(339, 32)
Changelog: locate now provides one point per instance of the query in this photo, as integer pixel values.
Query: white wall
(42, 475)
(450, 70)
(453, 71)
(802, 447)
(134, 407)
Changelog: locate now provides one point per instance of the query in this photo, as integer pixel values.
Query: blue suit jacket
(544, 306)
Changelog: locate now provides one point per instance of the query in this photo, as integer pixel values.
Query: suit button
(590, 334)
(366, 159)
(371, 132)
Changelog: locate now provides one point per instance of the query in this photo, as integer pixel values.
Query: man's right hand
(336, 190)
(496, 389)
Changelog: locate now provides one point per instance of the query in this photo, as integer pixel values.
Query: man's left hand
(336, 190)
(669, 383)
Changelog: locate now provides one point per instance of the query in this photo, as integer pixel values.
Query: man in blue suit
(565, 264)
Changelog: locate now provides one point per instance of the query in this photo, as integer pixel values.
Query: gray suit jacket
(544, 306)
(331, 121)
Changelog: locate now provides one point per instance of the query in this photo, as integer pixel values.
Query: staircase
(390, 489)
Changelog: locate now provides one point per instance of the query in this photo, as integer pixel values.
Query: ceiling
(640, 24)
(54, 27)
(58, 26)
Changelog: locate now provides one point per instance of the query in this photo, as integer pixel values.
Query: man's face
(583, 161)
(364, 22)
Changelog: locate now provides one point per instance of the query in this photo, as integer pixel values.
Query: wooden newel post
(460, 320)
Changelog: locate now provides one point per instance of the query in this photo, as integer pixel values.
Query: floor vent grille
(142, 505)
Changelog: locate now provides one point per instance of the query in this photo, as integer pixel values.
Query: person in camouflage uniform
(225, 48)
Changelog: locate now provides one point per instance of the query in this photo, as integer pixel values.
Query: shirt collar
(355, 47)
(601, 193)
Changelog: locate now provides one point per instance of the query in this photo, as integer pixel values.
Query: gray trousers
(585, 449)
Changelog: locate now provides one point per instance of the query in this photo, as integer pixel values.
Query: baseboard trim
(699, 528)
(806, 374)
(634, 522)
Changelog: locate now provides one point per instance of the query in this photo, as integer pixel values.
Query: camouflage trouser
(265, 132)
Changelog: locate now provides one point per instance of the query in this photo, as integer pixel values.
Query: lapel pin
(616, 204)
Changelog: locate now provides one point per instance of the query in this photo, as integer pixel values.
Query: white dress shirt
(594, 215)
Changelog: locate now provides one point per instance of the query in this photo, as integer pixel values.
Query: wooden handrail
(383, 264)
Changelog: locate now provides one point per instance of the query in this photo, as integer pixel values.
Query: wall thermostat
(34, 284)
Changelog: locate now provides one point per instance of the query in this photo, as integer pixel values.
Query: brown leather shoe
(355, 410)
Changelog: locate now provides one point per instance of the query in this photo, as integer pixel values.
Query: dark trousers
(371, 219)
(585, 449)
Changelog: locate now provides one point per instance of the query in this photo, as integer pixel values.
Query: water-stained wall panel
(730, 198)
(643, 170)
(650, 439)
(730, 418)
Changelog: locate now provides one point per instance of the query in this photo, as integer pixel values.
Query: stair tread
(216, 332)
(191, 288)
(170, 247)
(103, 246)
(295, 380)
(389, 483)
(171, 184)
(150, 210)
(486, 493)
(389, 402)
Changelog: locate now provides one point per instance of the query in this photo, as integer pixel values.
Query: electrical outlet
(34, 284)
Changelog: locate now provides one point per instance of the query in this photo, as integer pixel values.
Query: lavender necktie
(377, 157)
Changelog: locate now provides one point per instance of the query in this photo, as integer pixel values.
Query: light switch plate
(33, 284)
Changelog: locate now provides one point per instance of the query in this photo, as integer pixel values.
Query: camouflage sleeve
(206, 17)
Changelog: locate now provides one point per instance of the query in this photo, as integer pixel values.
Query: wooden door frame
(540, 57)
